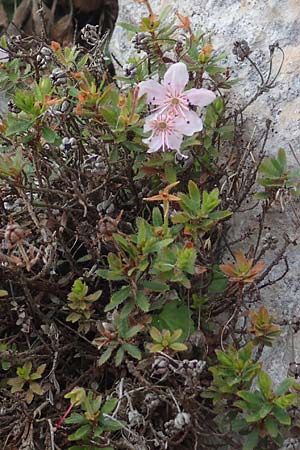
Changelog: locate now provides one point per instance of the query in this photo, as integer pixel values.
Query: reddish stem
(62, 419)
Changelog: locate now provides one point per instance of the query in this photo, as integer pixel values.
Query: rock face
(261, 23)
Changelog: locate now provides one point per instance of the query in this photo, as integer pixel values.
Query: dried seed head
(14, 234)
(182, 420)
(129, 70)
(68, 144)
(241, 49)
(58, 77)
(12, 107)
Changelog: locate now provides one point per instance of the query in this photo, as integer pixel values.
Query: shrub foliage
(123, 290)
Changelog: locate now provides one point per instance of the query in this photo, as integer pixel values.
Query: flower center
(175, 101)
(162, 125)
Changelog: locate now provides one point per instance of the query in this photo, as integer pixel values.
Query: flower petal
(148, 126)
(189, 124)
(154, 143)
(174, 141)
(200, 97)
(176, 78)
(156, 93)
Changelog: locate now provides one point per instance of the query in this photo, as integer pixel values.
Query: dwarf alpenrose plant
(133, 318)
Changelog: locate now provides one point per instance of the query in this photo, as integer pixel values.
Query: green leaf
(265, 410)
(250, 397)
(155, 334)
(49, 135)
(175, 315)
(142, 301)
(84, 447)
(157, 246)
(284, 386)
(285, 400)
(133, 351)
(81, 433)
(155, 286)
(118, 297)
(127, 309)
(105, 356)
(251, 440)
(110, 424)
(109, 406)
(281, 415)
(239, 425)
(76, 418)
(178, 347)
(157, 218)
(170, 174)
(194, 194)
(186, 260)
(129, 27)
(142, 231)
(133, 331)
(5, 365)
(272, 427)
(219, 281)
(3, 293)
(282, 159)
(73, 317)
(17, 126)
(119, 356)
(265, 383)
(36, 388)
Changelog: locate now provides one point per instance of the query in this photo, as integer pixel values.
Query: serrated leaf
(133, 351)
(29, 397)
(49, 135)
(17, 126)
(194, 193)
(36, 388)
(73, 317)
(93, 297)
(155, 286)
(142, 301)
(127, 309)
(119, 356)
(105, 356)
(173, 316)
(133, 331)
(118, 298)
(157, 246)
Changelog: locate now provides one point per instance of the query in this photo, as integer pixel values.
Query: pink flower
(168, 130)
(170, 96)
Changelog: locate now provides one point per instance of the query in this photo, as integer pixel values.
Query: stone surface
(261, 23)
